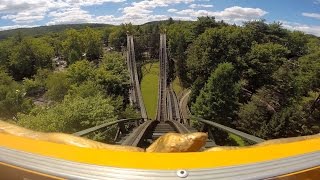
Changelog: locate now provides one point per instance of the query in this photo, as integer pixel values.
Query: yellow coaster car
(25, 158)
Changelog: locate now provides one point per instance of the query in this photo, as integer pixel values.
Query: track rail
(167, 112)
(135, 91)
(162, 95)
(137, 136)
(169, 117)
(174, 106)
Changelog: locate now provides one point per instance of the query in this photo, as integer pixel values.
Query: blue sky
(303, 15)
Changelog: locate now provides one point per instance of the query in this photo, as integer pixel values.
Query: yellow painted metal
(10, 172)
(160, 161)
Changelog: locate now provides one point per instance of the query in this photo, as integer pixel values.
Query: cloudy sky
(301, 15)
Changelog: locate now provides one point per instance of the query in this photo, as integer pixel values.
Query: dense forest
(43, 30)
(259, 77)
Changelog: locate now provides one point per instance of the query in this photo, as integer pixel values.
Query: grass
(177, 86)
(149, 87)
(237, 139)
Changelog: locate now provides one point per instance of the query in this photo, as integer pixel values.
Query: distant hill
(38, 31)
(41, 30)
(165, 22)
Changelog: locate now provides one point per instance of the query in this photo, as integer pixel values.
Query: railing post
(210, 135)
(203, 128)
(138, 122)
(122, 128)
(117, 135)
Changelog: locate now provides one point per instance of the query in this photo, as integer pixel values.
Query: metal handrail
(230, 130)
(93, 129)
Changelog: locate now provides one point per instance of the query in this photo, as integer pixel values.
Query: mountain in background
(38, 31)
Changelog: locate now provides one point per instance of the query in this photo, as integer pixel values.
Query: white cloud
(142, 11)
(24, 11)
(183, 18)
(3, 28)
(172, 10)
(137, 13)
(316, 2)
(28, 11)
(14, 6)
(233, 14)
(19, 18)
(70, 16)
(194, 6)
(312, 15)
(90, 2)
(237, 13)
(309, 29)
(71, 11)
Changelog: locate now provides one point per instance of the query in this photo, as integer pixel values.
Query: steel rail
(230, 130)
(139, 134)
(162, 96)
(170, 112)
(179, 127)
(130, 69)
(102, 126)
(166, 105)
(159, 82)
(174, 105)
(165, 73)
(135, 91)
(137, 83)
(77, 170)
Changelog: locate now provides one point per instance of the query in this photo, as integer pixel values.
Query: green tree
(29, 56)
(215, 46)
(118, 38)
(86, 89)
(264, 117)
(74, 56)
(73, 46)
(113, 75)
(106, 34)
(12, 97)
(55, 41)
(283, 109)
(57, 85)
(80, 71)
(254, 115)
(204, 23)
(276, 33)
(218, 100)
(258, 29)
(297, 44)
(180, 35)
(261, 62)
(93, 44)
(309, 72)
(71, 115)
(37, 84)
(313, 45)
(5, 51)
